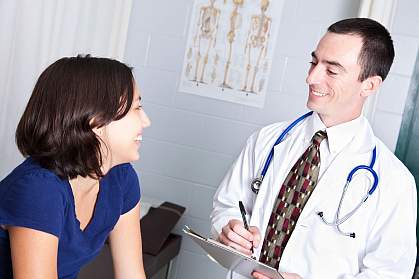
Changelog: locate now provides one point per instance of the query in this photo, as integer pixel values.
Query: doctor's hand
(235, 235)
(286, 275)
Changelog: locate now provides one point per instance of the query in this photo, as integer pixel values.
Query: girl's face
(123, 137)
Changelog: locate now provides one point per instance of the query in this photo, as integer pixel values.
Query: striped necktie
(293, 195)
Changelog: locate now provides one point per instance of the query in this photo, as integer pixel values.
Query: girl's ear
(371, 85)
(98, 131)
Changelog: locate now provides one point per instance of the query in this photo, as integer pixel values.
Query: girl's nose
(145, 121)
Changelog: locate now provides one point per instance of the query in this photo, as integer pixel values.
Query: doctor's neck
(333, 120)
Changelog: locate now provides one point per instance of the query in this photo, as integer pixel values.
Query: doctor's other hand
(286, 275)
(235, 235)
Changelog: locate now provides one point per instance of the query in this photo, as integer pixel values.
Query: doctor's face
(334, 88)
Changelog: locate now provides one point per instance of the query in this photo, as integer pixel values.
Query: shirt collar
(337, 136)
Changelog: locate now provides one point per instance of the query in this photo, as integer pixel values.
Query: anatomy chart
(230, 48)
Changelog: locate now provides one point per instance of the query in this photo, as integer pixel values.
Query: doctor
(301, 222)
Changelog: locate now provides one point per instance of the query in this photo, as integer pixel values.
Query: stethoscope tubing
(338, 221)
(368, 168)
(280, 139)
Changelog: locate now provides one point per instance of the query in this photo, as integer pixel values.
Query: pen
(246, 226)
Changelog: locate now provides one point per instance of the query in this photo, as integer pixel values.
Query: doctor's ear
(370, 85)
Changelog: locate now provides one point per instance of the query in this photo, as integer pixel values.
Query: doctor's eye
(331, 73)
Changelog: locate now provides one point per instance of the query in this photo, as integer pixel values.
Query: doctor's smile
(318, 94)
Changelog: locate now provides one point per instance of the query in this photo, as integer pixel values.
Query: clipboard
(230, 258)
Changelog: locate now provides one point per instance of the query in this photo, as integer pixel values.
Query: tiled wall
(391, 99)
(193, 140)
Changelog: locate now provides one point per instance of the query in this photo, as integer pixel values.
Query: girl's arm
(34, 253)
(125, 244)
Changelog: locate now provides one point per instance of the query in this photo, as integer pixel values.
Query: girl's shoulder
(128, 186)
(30, 174)
(30, 185)
(33, 197)
(123, 174)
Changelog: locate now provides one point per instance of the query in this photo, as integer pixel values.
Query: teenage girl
(82, 127)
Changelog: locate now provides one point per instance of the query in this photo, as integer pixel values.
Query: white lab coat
(385, 226)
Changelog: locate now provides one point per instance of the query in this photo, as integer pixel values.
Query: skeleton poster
(229, 50)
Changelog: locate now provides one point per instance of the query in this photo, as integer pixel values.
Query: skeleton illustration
(205, 38)
(214, 67)
(258, 37)
(189, 65)
(235, 22)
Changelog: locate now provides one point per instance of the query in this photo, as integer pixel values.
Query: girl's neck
(83, 184)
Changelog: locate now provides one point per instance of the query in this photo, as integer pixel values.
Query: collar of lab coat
(339, 136)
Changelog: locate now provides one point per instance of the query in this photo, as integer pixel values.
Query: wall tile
(295, 74)
(392, 95)
(137, 47)
(278, 107)
(406, 19)
(327, 11)
(193, 266)
(279, 65)
(165, 17)
(198, 130)
(406, 49)
(156, 86)
(182, 162)
(386, 127)
(166, 53)
(300, 41)
(165, 188)
(201, 202)
(209, 106)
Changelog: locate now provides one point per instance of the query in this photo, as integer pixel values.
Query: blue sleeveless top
(36, 198)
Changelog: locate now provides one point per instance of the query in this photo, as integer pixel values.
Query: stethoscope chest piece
(255, 185)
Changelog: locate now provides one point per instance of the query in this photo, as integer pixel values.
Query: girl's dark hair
(72, 96)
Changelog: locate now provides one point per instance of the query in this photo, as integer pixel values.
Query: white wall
(193, 140)
(392, 97)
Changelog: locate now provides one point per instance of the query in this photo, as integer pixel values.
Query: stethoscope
(257, 182)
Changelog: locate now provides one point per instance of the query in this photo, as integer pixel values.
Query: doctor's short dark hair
(72, 96)
(377, 53)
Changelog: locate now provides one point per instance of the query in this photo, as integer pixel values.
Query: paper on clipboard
(230, 258)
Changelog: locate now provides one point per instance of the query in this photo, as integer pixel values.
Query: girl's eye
(137, 107)
(313, 63)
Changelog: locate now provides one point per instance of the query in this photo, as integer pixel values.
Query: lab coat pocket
(322, 247)
(327, 241)
(335, 239)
